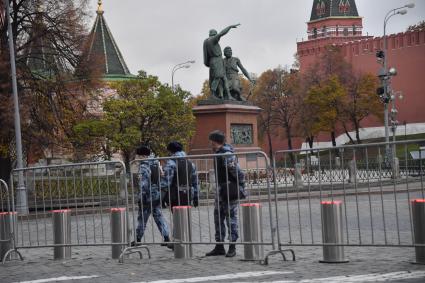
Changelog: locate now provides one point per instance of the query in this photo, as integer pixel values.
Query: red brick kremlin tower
(337, 22)
(331, 21)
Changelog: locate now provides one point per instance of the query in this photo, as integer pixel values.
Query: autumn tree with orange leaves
(49, 40)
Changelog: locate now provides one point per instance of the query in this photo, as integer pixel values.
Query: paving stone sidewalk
(389, 263)
(38, 264)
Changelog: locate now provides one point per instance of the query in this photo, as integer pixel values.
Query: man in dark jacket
(230, 182)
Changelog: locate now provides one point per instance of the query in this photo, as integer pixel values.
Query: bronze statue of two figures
(224, 79)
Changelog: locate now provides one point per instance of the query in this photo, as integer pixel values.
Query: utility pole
(21, 192)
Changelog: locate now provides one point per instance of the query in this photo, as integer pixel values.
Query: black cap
(143, 150)
(174, 147)
(217, 136)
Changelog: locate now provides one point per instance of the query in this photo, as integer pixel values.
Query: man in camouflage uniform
(179, 180)
(149, 195)
(230, 182)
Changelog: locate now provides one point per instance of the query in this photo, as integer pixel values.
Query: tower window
(345, 31)
(321, 8)
(344, 6)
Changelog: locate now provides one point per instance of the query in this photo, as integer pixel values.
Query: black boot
(166, 243)
(166, 240)
(170, 246)
(136, 243)
(232, 251)
(218, 250)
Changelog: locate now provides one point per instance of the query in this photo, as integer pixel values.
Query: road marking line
(62, 278)
(372, 277)
(221, 277)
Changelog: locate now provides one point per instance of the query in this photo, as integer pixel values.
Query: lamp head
(402, 12)
(410, 5)
(392, 71)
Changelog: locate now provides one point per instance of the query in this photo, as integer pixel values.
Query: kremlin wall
(406, 52)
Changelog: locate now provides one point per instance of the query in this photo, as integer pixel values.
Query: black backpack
(182, 181)
(155, 173)
(183, 176)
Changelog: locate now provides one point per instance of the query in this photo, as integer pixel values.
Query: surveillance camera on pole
(385, 75)
(380, 55)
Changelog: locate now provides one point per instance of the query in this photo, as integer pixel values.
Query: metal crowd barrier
(7, 225)
(375, 200)
(377, 190)
(252, 164)
(87, 191)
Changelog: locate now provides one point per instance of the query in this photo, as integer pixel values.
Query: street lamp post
(21, 192)
(386, 76)
(178, 67)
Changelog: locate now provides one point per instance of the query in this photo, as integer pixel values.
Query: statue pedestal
(237, 120)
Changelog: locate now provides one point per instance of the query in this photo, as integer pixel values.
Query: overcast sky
(155, 35)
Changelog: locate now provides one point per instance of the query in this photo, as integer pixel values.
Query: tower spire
(104, 50)
(99, 7)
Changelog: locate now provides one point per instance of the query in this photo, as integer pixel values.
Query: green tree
(307, 114)
(146, 112)
(326, 99)
(286, 103)
(205, 94)
(360, 102)
(49, 39)
(276, 93)
(93, 137)
(265, 95)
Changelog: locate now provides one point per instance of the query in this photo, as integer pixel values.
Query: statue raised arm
(214, 60)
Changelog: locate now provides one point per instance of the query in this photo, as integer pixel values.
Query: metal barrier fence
(214, 188)
(7, 225)
(86, 191)
(363, 193)
(376, 201)
(4, 197)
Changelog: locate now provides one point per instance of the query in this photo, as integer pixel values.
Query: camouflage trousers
(144, 213)
(226, 214)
